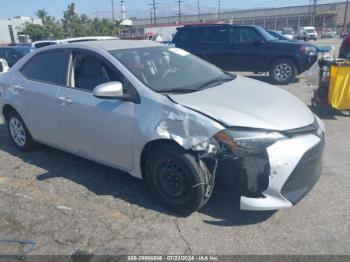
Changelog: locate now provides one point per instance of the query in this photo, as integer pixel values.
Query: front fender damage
(196, 132)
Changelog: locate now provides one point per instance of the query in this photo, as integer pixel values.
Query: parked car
(328, 33)
(3, 66)
(345, 48)
(167, 116)
(288, 32)
(307, 33)
(14, 53)
(39, 44)
(247, 48)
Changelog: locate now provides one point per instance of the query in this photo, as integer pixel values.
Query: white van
(307, 33)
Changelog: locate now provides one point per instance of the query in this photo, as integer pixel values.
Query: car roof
(217, 25)
(16, 47)
(107, 44)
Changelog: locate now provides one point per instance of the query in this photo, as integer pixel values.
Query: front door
(95, 128)
(248, 49)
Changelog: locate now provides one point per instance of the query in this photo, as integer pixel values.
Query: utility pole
(199, 10)
(314, 13)
(345, 15)
(151, 15)
(219, 8)
(179, 2)
(113, 16)
(154, 8)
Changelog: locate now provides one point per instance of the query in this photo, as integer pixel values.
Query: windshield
(171, 70)
(277, 35)
(268, 36)
(310, 30)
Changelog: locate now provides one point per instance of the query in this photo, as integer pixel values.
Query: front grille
(305, 175)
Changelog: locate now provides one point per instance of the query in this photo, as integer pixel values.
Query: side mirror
(110, 90)
(259, 42)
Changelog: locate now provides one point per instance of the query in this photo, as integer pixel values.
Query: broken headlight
(243, 142)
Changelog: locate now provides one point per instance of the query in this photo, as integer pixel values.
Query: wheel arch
(6, 109)
(149, 147)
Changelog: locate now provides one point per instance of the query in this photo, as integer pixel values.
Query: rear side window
(188, 36)
(49, 67)
(216, 35)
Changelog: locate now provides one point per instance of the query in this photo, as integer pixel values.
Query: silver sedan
(166, 116)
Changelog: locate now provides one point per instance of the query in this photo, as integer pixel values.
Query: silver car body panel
(115, 133)
(284, 156)
(233, 110)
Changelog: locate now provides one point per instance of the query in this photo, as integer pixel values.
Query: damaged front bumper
(295, 166)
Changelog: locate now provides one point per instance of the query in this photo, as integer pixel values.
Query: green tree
(35, 32)
(71, 21)
(52, 27)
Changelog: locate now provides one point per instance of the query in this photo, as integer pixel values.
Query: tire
(177, 180)
(283, 71)
(18, 132)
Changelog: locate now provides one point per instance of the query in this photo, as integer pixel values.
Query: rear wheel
(177, 179)
(19, 133)
(283, 71)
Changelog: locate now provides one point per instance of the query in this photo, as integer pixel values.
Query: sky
(10, 8)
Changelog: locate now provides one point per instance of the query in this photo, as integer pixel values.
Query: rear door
(35, 87)
(217, 47)
(249, 49)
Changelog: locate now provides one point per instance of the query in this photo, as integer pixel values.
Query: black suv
(13, 53)
(247, 48)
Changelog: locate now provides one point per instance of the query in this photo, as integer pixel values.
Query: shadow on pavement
(328, 113)
(102, 180)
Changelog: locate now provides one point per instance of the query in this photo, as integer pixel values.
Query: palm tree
(42, 15)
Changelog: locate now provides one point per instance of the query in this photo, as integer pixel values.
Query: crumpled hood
(245, 102)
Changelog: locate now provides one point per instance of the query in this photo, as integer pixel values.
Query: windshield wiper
(216, 82)
(177, 91)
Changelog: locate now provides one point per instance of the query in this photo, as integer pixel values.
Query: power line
(345, 14)
(179, 2)
(199, 10)
(113, 15)
(154, 6)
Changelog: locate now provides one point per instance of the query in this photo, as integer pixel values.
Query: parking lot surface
(67, 204)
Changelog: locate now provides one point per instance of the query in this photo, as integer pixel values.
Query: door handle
(65, 100)
(18, 88)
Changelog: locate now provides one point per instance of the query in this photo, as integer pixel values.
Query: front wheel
(18, 131)
(177, 179)
(283, 71)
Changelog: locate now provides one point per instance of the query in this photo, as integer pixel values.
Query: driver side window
(89, 71)
(244, 35)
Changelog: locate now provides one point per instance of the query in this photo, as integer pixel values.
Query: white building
(11, 30)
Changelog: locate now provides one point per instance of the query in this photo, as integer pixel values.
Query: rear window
(310, 30)
(48, 67)
(39, 45)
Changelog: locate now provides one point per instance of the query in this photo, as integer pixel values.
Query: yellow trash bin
(339, 88)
